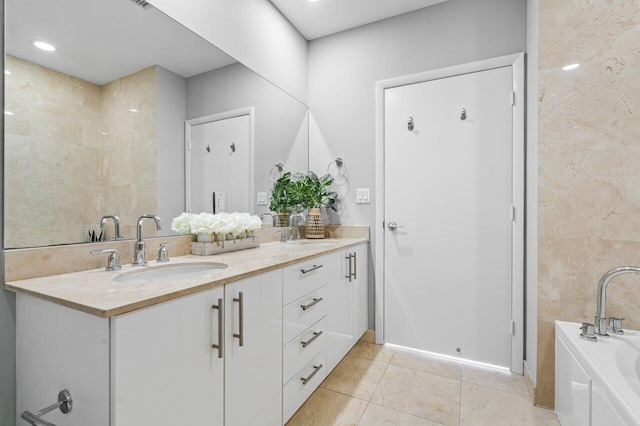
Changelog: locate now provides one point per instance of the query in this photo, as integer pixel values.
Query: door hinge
(513, 98)
(513, 327)
(383, 225)
(512, 213)
(188, 145)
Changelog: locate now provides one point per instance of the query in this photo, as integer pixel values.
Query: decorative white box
(218, 247)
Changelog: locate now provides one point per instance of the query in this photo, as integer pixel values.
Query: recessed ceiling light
(44, 45)
(7, 72)
(8, 113)
(134, 110)
(570, 67)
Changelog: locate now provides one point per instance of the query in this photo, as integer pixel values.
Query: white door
(448, 187)
(220, 164)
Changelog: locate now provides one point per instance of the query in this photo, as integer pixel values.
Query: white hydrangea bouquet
(218, 228)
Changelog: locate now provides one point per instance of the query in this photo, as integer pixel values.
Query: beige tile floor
(379, 385)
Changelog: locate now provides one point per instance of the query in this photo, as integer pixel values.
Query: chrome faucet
(601, 315)
(273, 218)
(139, 257)
(116, 224)
(293, 216)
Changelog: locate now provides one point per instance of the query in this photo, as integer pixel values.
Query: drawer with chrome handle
(303, 348)
(296, 391)
(304, 277)
(300, 314)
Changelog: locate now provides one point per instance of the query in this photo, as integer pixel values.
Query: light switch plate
(363, 196)
(262, 198)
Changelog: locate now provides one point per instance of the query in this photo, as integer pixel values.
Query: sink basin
(313, 242)
(173, 272)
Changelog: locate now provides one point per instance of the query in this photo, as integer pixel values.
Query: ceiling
(100, 41)
(315, 19)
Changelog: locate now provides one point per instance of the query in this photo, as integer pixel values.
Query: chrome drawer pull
(313, 268)
(220, 345)
(306, 380)
(315, 301)
(316, 334)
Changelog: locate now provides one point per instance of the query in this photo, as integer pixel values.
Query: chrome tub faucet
(601, 325)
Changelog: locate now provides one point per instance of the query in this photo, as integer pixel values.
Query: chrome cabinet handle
(316, 334)
(220, 345)
(350, 273)
(313, 268)
(240, 334)
(305, 380)
(355, 266)
(393, 226)
(315, 301)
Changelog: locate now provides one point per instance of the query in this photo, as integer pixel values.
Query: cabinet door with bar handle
(165, 365)
(359, 292)
(253, 350)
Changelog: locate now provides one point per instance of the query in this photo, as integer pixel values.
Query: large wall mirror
(97, 127)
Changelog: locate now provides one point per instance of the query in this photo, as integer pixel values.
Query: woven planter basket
(315, 224)
(282, 220)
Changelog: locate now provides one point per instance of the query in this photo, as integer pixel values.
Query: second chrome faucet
(139, 256)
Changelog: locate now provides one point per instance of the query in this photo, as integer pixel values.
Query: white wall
(253, 32)
(344, 67)
(532, 192)
(171, 107)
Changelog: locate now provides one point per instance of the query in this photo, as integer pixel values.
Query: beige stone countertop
(94, 292)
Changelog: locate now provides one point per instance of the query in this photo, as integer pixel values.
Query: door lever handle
(393, 226)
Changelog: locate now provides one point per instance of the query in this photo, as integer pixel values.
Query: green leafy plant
(282, 195)
(311, 191)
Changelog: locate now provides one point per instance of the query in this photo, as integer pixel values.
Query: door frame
(516, 61)
(188, 124)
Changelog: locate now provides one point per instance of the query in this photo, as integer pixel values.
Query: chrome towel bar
(64, 404)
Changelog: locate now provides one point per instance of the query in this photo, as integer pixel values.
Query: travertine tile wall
(52, 155)
(589, 170)
(74, 152)
(129, 170)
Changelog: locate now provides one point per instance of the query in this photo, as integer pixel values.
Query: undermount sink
(313, 242)
(172, 272)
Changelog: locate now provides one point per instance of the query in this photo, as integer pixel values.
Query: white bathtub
(597, 383)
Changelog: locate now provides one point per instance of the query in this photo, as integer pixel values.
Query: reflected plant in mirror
(97, 127)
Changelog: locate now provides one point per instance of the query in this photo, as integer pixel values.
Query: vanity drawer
(301, 314)
(302, 349)
(296, 391)
(304, 277)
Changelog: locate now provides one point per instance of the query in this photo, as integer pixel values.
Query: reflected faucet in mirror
(273, 218)
(116, 223)
(292, 220)
(139, 257)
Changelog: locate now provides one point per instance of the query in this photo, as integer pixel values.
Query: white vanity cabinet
(164, 368)
(249, 352)
(253, 351)
(166, 371)
(359, 286)
(348, 314)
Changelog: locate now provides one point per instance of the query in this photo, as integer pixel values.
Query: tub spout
(601, 315)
